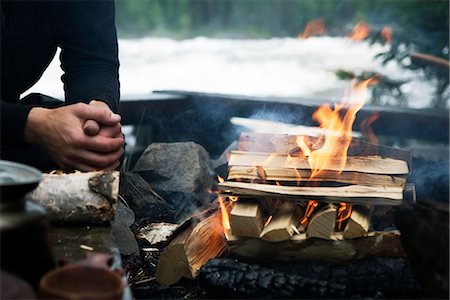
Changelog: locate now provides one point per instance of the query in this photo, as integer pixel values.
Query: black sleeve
(89, 56)
(13, 120)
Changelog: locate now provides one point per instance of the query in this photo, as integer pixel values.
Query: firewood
(380, 195)
(322, 223)
(358, 223)
(246, 219)
(78, 197)
(287, 144)
(190, 250)
(283, 224)
(300, 248)
(363, 164)
(295, 175)
(173, 263)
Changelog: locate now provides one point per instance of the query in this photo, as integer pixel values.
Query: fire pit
(283, 226)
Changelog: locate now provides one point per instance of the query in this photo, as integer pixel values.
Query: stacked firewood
(280, 201)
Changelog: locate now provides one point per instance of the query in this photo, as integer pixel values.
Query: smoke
(431, 179)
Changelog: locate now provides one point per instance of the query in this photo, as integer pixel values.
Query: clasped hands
(79, 136)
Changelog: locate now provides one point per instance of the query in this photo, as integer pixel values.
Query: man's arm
(89, 57)
(13, 118)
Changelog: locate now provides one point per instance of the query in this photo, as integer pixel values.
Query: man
(85, 133)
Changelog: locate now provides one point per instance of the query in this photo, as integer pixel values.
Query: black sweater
(31, 31)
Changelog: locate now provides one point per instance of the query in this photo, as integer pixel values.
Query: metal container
(25, 247)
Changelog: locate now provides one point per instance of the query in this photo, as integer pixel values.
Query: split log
(287, 144)
(322, 223)
(296, 175)
(246, 219)
(363, 164)
(358, 223)
(173, 262)
(283, 224)
(300, 248)
(78, 197)
(353, 194)
(190, 250)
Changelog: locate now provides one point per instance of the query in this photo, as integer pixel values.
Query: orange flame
(366, 128)
(225, 218)
(233, 198)
(333, 152)
(344, 212)
(361, 31)
(314, 27)
(387, 34)
(268, 220)
(310, 207)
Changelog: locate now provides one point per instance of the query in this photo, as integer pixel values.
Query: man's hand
(92, 127)
(61, 131)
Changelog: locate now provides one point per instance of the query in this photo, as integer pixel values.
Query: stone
(122, 235)
(180, 172)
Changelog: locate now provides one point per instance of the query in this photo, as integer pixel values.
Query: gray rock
(122, 235)
(181, 173)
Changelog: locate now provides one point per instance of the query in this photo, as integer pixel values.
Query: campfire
(298, 198)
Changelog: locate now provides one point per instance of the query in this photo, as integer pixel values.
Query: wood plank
(366, 164)
(287, 144)
(246, 219)
(296, 175)
(352, 194)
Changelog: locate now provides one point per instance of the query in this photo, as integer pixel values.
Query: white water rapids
(282, 67)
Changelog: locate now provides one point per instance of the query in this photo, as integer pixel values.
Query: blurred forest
(417, 25)
(281, 18)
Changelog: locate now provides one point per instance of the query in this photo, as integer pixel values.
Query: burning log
(363, 164)
(283, 224)
(353, 194)
(358, 223)
(190, 249)
(300, 248)
(296, 175)
(322, 223)
(246, 219)
(78, 197)
(287, 144)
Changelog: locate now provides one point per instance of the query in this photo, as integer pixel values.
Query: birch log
(81, 197)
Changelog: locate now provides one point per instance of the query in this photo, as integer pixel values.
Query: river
(282, 67)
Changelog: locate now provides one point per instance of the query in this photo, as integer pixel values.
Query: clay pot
(91, 278)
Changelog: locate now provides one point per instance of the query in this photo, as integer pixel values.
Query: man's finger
(102, 116)
(91, 127)
(103, 144)
(99, 160)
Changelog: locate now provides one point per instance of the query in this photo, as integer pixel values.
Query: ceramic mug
(91, 278)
